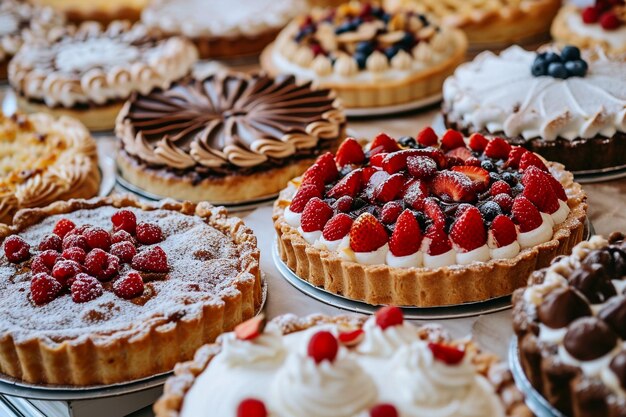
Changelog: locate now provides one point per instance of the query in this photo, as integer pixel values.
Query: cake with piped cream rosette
(427, 221)
(567, 106)
(370, 57)
(342, 366)
(571, 326)
(110, 290)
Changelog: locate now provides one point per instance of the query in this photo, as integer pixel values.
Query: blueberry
(576, 68)
(421, 219)
(344, 27)
(423, 19)
(488, 165)
(407, 41)
(557, 70)
(509, 178)
(356, 22)
(377, 11)
(539, 68)
(365, 47)
(517, 189)
(391, 51)
(494, 176)
(358, 203)
(386, 17)
(361, 59)
(490, 210)
(407, 141)
(551, 57)
(570, 53)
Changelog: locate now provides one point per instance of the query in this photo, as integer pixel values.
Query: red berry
(389, 316)
(343, 204)
(251, 407)
(98, 238)
(51, 242)
(406, 238)
(65, 271)
(303, 195)
(251, 329)
(449, 355)
(421, 167)
(503, 231)
(63, 227)
(453, 185)
(478, 175)
(477, 142)
(427, 137)
(525, 214)
(438, 241)
(378, 159)
(538, 189)
(153, 259)
(349, 185)
(390, 212)
(434, 212)
(468, 231)
(515, 156)
(590, 15)
(500, 187)
(315, 215)
(385, 142)
(349, 152)
(75, 254)
(16, 249)
(472, 161)
(85, 288)
(557, 187)
(323, 171)
(44, 261)
(505, 202)
(75, 241)
(323, 346)
(351, 338)
(452, 139)
(102, 265)
(384, 410)
(609, 21)
(414, 194)
(123, 236)
(529, 159)
(390, 188)
(44, 288)
(497, 148)
(125, 251)
(124, 220)
(461, 154)
(149, 234)
(129, 286)
(367, 234)
(337, 227)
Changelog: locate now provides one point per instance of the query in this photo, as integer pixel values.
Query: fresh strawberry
(375, 180)
(472, 161)
(16, 249)
(500, 187)
(85, 288)
(414, 194)
(303, 195)
(337, 227)
(406, 238)
(350, 152)
(462, 154)
(427, 137)
(153, 259)
(349, 185)
(477, 142)
(129, 286)
(44, 261)
(421, 167)
(479, 176)
(377, 160)
(505, 202)
(497, 148)
(384, 410)
(557, 187)
(385, 142)
(323, 346)
(366, 173)
(251, 328)
(351, 338)
(251, 407)
(389, 316)
(63, 227)
(324, 170)
(538, 189)
(51, 242)
(449, 355)
(434, 212)
(98, 238)
(502, 231)
(343, 204)
(438, 241)
(515, 156)
(315, 215)
(149, 233)
(124, 220)
(531, 159)
(397, 161)
(468, 231)
(525, 214)
(452, 139)
(453, 185)
(390, 212)
(44, 288)
(390, 188)
(367, 234)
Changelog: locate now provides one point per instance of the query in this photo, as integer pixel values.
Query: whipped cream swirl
(265, 350)
(385, 342)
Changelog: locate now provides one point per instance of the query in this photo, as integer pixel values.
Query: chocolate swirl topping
(228, 118)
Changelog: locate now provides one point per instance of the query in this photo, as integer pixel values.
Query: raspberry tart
(342, 367)
(564, 105)
(429, 221)
(109, 290)
(228, 138)
(570, 326)
(602, 24)
(43, 160)
(371, 58)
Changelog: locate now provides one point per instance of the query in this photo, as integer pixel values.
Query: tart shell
(424, 287)
(146, 348)
(223, 47)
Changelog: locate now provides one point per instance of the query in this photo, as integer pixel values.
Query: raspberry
(85, 288)
(65, 271)
(75, 241)
(148, 233)
(75, 254)
(500, 187)
(389, 316)
(79, 230)
(323, 346)
(52, 242)
(505, 202)
(124, 250)
(590, 15)
(384, 410)
(44, 288)
(129, 286)
(16, 249)
(251, 407)
(63, 227)
(124, 220)
(123, 236)
(44, 262)
(151, 260)
(102, 265)
(343, 204)
(609, 21)
(98, 238)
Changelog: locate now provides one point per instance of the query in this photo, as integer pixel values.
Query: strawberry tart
(109, 290)
(427, 221)
(322, 366)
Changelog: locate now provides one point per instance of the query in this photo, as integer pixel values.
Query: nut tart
(571, 329)
(110, 290)
(20, 20)
(88, 71)
(371, 58)
(44, 160)
(602, 25)
(568, 107)
(492, 22)
(104, 11)
(220, 30)
(228, 138)
(427, 221)
(341, 366)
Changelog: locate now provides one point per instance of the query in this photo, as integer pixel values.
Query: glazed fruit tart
(570, 324)
(43, 160)
(370, 57)
(428, 221)
(110, 290)
(228, 138)
(564, 105)
(342, 366)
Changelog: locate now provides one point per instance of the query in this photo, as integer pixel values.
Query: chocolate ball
(614, 314)
(593, 282)
(589, 338)
(563, 306)
(618, 366)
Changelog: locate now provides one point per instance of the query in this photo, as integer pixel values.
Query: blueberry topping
(365, 47)
(551, 57)
(488, 165)
(407, 141)
(570, 53)
(407, 41)
(539, 68)
(391, 51)
(489, 210)
(361, 59)
(576, 68)
(568, 64)
(509, 178)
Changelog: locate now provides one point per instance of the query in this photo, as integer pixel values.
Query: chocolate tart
(197, 271)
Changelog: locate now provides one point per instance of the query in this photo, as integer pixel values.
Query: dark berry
(488, 165)
(551, 57)
(407, 41)
(407, 141)
(365, 47)
(16, 249)
(509, 178)
(391, 51)
(570, 53)
(490, 210)
(557, 70)
(361, 59)
(539, 68)
(51, 242)
(576, 68)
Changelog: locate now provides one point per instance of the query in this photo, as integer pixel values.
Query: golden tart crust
(44, 160)
(143, 344)
(104, 11)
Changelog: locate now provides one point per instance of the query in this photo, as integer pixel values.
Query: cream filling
(437, 261)
(550, 335)
(408, 261)
(505, 252)
(310, 237)
(332, 245)
(616, 38)
(561, 214)
(376, 257)
(480, 254)
(293, 219)
(541, 234)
